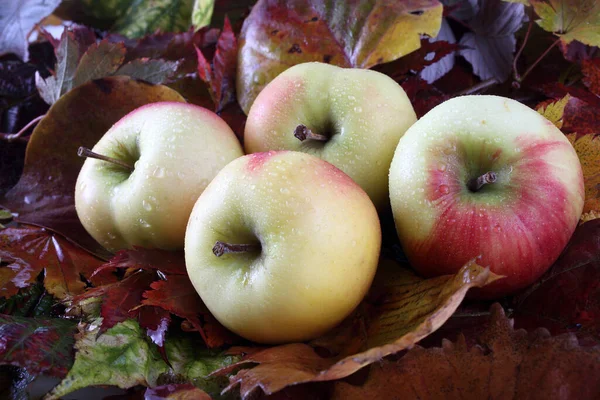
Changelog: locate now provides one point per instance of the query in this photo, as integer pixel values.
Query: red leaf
(591, 75)
(581, 117)
(182, 391)
(39, 345)
(156, 322)
(30, 250)
(567, 297)
(172, 262)
(422, 95)
(509, 365)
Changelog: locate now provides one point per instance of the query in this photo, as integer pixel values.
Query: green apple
(281, 246)
(168, 153)
(352, 118)
(485, 176)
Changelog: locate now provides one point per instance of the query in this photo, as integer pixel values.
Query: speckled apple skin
(320, 238)
(518, 225)
(364, 112)
(177, 149)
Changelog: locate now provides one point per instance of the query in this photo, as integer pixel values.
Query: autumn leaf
(202, 13)
(402, 310)
(507, 364)
(29, 250)
(123, 357)
(277, 35)
(440, 66)
(100, 60)
(422, 95)
(33, 301)
(17, 19)
(567, 297)
(145, 17)
(151, 71)
(570, 19)
(591, 75)
(38, 344)
(182, 391)
(172, 262)
(45, 191)
(588, 151)
(553, 111)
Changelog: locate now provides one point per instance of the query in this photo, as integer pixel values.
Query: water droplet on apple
(351, 98)
(442, 167)
(497, 228)
(252, 187)
(284, 190)
(147, 206)
(159, 172)
(358, 109)
(111, 235)
(181, 174)
(144, 223)
(444, 189)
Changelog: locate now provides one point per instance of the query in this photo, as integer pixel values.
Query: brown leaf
(45, 193)
(277, 35)
(591, 75)
(182, 391)
(588, 151)
(172, 262)
(508, 364)
(403, 309)
(30, 250)
(567, 297)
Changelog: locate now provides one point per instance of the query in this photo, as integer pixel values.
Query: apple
(156, 161)
(352, 118)
(485, 176)
(281, 246)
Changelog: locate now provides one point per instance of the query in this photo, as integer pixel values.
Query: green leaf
(570, 19)
(202, 13)
(145, 17)
(277, 35)
(100, 60)
(153, 71)
(123, 356)
(5, 215)
(17, 19)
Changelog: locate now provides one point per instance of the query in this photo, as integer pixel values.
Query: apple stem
(302, 132)
(475, 184)
(85, 152)
(221, 248)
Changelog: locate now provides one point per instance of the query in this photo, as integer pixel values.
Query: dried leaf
(403, 310)
(591, 75)
(44, 194)
(184, 391)
(172, 262)
(30, 250)
(37, 344)
(100, 60)
(554, 110)
(567, 297)
(491, 45)
(202, 13)
(588, 151)
(151, 71)
(17, 19)
(277, 35)
(570, 19)
(144, 17)
(509, 364)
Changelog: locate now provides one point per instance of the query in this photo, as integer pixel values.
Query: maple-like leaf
(588, 151)
(278, 34)
(100, 60)
(567, 297)
(422, 95)
(38, 344)
(490, 47)
(220, 76)
(17, 19)
(591, 75)
(29, 250)
(151, 71)
(554, 111)
(44, 194)
(172, 262)
(570, 19)
(507, 364)
(124, 357)
(144, 17)
(401, 309)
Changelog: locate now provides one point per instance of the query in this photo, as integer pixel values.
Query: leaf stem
(221, 248)
(532, 66)
(85, 152)
(516, 75)
(9, 137)
(476, 88)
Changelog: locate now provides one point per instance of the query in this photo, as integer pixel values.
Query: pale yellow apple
(318, 239)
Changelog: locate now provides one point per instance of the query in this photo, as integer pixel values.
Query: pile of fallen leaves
(73, 312)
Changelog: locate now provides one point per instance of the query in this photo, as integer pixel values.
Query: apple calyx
(302, 132)
(221, 248)
(85, 152)
(475, 184)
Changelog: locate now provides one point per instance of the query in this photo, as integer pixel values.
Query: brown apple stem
(221, 248)
(302, 132)
(475, 184)
(85, 152)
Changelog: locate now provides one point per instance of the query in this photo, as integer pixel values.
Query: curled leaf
(570, 19)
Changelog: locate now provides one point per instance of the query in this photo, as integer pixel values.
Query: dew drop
(497, 228)
(358, 109)
(147, 206)
(444, 189)
(159, 172)
(144, 223)
(284, 190)
(442, 167)
(111, 235)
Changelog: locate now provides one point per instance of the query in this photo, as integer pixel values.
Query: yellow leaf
(585, 217)
(588, 150)
(570, 19)
(554, 111)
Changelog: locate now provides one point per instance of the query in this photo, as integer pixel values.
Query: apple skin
(320, 240)
(177, 149)
(364, 112)
(518, 225)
